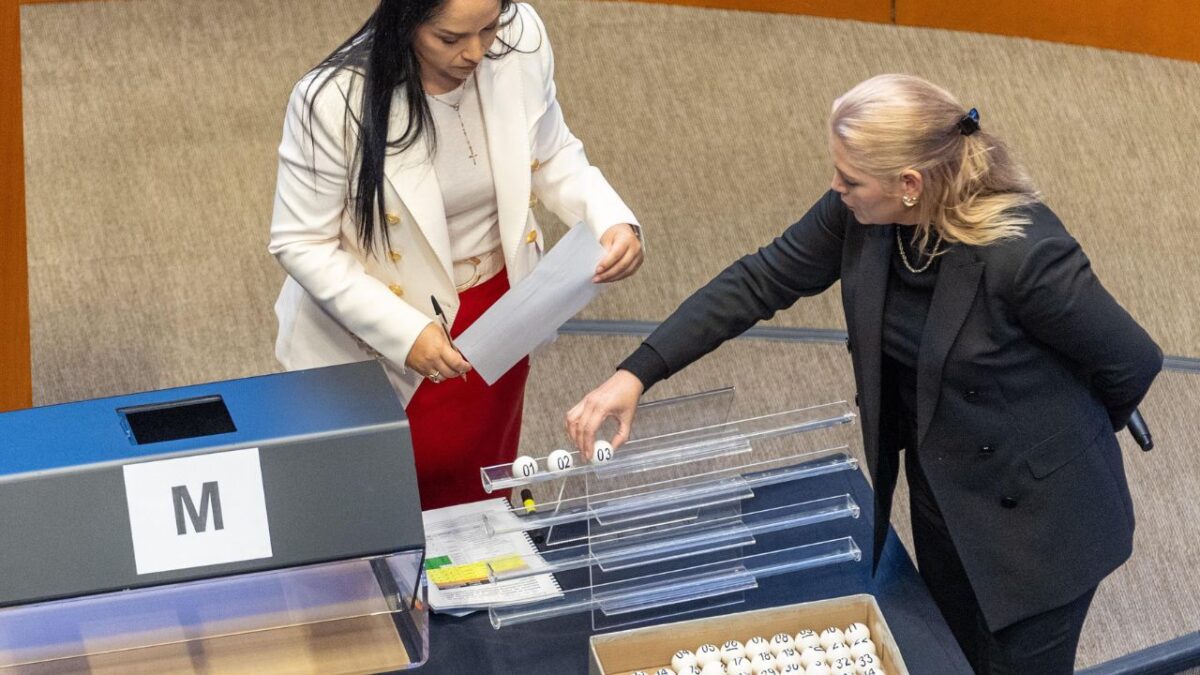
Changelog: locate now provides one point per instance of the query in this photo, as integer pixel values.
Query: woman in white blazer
(411, 159)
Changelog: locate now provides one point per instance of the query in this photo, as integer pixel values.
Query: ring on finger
(435, 377)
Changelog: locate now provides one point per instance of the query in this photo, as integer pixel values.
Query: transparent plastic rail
(677, 541)
(673, 496)
(679, 586)
(680, 447)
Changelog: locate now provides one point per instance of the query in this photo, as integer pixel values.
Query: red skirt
(461, 425)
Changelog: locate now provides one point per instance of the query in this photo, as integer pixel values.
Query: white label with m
(195, 511)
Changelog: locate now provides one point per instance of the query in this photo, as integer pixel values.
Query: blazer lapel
(869, 293)
(412, 175)
(957, 283)
(502, 97)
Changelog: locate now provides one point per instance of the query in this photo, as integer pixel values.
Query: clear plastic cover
(378, 600)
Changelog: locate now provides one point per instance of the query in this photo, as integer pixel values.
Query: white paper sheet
(530, 314)
(457, 532)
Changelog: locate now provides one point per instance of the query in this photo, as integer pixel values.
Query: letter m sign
(210, 502)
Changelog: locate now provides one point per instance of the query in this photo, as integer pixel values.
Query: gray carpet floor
(151, 128)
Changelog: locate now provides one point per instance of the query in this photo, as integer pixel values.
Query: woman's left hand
(623, 254)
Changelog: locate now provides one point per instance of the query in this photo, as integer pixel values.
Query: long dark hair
(381, 56)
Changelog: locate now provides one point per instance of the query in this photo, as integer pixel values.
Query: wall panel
(15, 388)
(879, 11)
(1159, 27)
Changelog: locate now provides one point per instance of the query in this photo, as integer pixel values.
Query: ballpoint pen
(437, 309)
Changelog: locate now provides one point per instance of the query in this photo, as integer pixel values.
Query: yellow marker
(527, 501)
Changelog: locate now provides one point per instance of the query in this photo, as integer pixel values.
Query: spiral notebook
(458, 550)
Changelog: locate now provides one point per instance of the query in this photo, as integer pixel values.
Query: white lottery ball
(866, 661)
(818, 668)
(664, 671)
(691, 670)
(842, 663)
(861, 647)
(780, 642)
(791, 669)
(807, 638)
(739, 665)
(602, 451)
(844, 671)
(713, 668)
(831, 635)
(757, 644)
(683, 659)
(560, 460)
(732, 649)
(838, 650)
(873, 670)
(762, 660)
(768, 670)
(856, 631)
(706, 654)
(788, 655)
(812, 655)
(639, 672)
(524, 467)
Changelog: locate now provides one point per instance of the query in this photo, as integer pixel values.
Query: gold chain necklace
(457, 107)
(904, 256)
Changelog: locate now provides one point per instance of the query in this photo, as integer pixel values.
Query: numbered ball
(602, 451)
(768, 670)
(873, 670)
(739, 665)
(807, 638)
(664, 671)
(762, 660)
(842, 663)
(866, 661)
(713, 668)
(706, 654)
(838, 650)
(862, 647)
(818, 668)
(683, 659)
(524, 467)
(831, 635)
(788, 656)
(560, 460)
(757, 644)
(811, 656)
(791, 669)
(856, 631)
(780, 642)
(731, 649)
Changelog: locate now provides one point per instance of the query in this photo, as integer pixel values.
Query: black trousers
(1044, 643)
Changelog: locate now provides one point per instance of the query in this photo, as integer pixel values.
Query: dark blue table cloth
(470, 646)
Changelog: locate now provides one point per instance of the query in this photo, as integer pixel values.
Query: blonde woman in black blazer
(982, 344)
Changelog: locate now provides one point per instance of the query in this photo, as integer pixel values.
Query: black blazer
(1027, 366)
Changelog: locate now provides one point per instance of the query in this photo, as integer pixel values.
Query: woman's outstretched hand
(617, 397)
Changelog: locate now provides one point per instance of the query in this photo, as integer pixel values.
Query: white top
(464, 171)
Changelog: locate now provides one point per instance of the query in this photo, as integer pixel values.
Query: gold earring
(909, 201)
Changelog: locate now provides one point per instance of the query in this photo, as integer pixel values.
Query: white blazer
(340, 305)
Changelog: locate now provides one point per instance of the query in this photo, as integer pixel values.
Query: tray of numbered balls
(839, 642)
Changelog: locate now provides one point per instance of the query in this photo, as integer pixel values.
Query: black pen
(437, 309)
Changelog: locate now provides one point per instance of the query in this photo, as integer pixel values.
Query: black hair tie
(969, 123)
